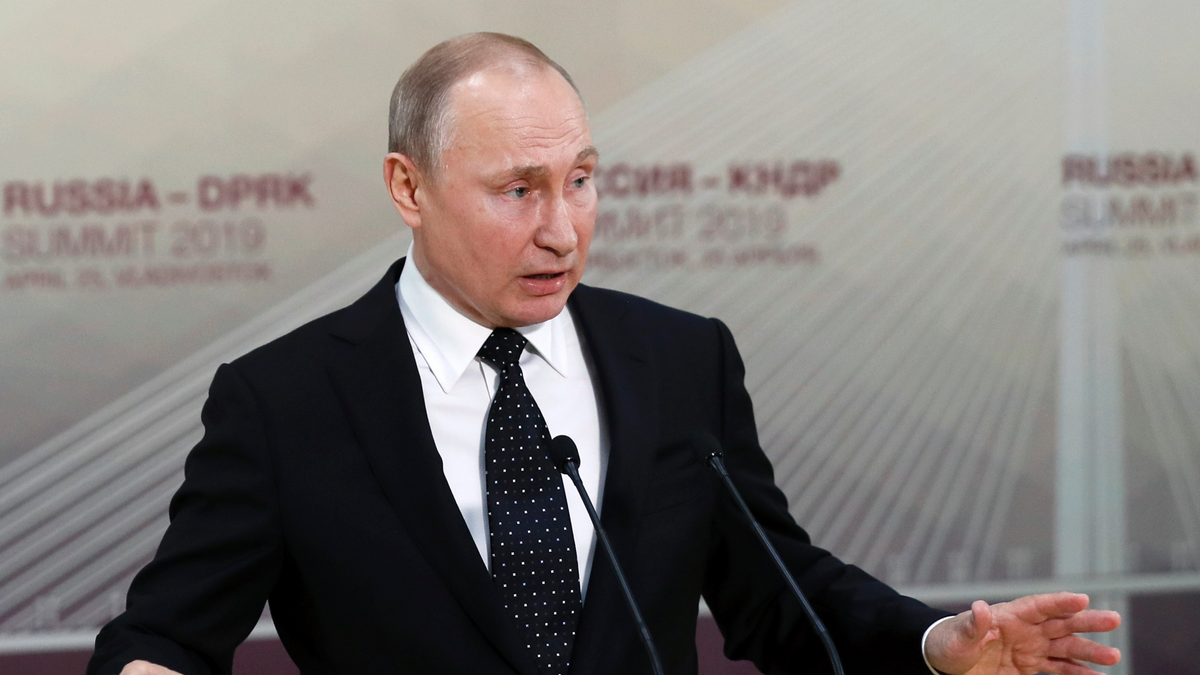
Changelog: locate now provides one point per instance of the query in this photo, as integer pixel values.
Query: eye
(579, 182)
(518, 192)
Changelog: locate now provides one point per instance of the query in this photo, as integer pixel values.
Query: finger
(1087, 621)
(1038, 608)
(1076, 648)
(1067, 667)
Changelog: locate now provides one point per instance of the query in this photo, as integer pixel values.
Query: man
(380, 474)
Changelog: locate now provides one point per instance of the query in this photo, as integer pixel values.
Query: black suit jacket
(317, 485)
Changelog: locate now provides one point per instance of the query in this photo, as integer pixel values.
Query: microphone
(565, 456)
(712, 455)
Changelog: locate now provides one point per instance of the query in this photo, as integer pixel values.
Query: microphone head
(562, 450)
(706, 445)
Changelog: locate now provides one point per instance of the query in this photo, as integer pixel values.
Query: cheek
(481, 235)
(498, 244)
(584, 222)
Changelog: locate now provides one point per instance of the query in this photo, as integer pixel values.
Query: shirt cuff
(925, 637)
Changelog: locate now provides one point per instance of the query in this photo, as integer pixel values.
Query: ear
(406, 185)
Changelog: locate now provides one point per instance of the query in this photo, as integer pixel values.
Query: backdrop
(958, 244)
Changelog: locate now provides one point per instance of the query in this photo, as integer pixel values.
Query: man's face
(504, 227)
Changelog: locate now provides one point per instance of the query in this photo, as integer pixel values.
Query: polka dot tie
(533, 548)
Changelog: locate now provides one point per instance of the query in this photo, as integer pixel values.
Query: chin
(543, 309)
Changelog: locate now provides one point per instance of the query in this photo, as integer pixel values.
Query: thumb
(956, 645)
(980, 622)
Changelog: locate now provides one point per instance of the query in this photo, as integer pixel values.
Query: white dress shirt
(458, 387)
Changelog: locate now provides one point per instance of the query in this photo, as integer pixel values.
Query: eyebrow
(589, 151)
(537, 170)
(529, 171)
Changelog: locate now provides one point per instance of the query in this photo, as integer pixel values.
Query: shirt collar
(450, 341)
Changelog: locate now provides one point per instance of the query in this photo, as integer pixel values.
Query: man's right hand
(145, 668)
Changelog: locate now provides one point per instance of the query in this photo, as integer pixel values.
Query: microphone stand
(713, 455)
(565, 455)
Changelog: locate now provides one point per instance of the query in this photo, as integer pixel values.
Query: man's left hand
(1036, 633)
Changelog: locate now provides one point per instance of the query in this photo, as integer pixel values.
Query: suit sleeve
(875, 629)
(205, 589)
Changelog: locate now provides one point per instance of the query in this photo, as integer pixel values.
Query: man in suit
(359, 473)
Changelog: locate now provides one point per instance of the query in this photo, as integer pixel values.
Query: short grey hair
(418, 121)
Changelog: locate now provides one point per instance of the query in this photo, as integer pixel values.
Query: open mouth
(545, 283)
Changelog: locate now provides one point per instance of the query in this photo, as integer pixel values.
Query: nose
(556, 231)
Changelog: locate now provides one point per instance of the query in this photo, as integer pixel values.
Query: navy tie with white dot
(533, 548)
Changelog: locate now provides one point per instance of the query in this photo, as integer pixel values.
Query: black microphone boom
(711, 453)
(565, 456)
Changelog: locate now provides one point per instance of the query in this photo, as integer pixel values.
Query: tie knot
(503, 348)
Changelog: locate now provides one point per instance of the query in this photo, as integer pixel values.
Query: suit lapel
(374, 371)
(629, 385)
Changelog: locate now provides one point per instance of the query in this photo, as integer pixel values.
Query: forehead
(516, 108)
